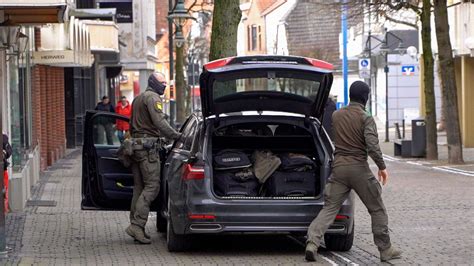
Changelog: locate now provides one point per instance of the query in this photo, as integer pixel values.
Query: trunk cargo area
(265, 161)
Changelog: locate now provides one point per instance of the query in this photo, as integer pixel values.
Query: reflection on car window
(105, 132)
(272, 81)
(186, 140)
(190, 137)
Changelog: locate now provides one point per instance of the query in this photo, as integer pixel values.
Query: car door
(176, 160)
(106, 183)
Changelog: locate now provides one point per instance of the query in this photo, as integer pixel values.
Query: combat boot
(146, 234)
(137, 233)
(311, 252)
(390, 254)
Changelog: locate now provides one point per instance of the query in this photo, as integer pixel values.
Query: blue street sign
(408, 70)
(364, 63)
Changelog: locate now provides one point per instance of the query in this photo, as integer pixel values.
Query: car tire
(340, 242)
(174, 242)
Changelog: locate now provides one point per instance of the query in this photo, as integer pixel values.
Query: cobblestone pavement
(431, 220)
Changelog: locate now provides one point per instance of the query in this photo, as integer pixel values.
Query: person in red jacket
(123, 108)
(7, 152)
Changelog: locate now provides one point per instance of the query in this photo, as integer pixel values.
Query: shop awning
(65, 45)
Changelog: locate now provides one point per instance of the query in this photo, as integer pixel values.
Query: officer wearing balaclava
(147, 125)
(356, 138)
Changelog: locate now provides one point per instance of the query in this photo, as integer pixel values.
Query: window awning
(103, 36)
(21, 12)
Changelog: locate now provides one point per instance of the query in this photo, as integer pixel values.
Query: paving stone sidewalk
(431, 220)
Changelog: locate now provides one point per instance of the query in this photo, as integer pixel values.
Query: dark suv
(284, 97)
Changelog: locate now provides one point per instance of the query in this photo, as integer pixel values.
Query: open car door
(106, 183)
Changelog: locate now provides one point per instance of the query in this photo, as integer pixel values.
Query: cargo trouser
(146, 186)
(369, 190)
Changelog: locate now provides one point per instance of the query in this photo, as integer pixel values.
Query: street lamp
(179, 37)
(178, 15)
(385, 50)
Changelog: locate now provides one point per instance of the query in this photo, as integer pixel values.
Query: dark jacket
(148, 118)
(7, 151)
(105, 107)
(355, 137)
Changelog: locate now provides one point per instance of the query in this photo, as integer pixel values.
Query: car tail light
(320, 63)
(342, 217)
(193, 216)
(218, 63)
(193, 173)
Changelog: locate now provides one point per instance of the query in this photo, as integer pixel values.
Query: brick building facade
(49, 125)
(47, 99)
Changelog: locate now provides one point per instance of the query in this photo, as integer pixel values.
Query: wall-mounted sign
(408, 70)
(124, 10)
(61, 58)
(53, 57)
(364, 68)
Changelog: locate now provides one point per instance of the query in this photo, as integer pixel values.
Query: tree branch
(398, 21)
(192, 5)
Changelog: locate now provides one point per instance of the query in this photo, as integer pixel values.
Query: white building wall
(275, 29)
(403, 91)
(241, 38)
(241, 32)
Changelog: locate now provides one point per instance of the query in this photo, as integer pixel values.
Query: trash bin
(418, 136)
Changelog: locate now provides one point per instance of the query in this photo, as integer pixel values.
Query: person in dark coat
(355, 138)
(105, 126)
(327, 118)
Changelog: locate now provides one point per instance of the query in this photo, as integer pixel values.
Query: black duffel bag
(231, 160)
(296, 162)
(291, 184)
(296, 177)
(232, 175)
(242, 183)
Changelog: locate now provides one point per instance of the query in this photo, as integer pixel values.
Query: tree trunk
(449, 91)
(428, 77)
(180, 86)
(442, 120)
(225, 21)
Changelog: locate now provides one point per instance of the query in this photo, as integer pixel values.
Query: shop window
(19, 68)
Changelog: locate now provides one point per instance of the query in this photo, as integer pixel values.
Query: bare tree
(390, 11)
(428, 78)
(449, 90)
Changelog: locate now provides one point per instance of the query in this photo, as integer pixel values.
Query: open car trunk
(248, 149)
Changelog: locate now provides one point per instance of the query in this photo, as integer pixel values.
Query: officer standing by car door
(147, 126)
(355, 137)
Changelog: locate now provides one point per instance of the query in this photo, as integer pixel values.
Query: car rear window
(291, 82)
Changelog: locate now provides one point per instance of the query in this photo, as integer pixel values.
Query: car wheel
(175, 243)
(340, 242)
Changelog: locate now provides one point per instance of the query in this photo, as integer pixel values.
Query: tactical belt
(145, 143)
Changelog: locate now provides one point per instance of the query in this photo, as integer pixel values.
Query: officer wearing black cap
(356, 138)
(147, 125)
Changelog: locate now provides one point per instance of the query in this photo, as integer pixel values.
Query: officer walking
(147, 125)
(355, 137)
